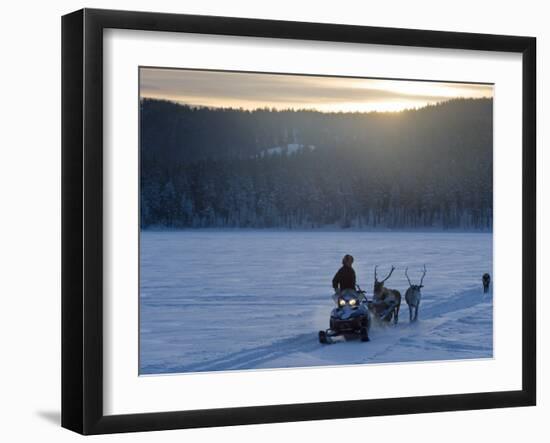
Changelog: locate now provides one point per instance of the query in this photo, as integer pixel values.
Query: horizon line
(291, 109)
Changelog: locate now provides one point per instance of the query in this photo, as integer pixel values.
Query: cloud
(254, 90)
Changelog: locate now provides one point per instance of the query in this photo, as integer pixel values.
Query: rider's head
(347, 260)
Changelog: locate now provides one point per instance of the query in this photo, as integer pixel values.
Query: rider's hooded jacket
(344, 278)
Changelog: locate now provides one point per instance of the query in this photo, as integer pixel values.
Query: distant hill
(425, 168)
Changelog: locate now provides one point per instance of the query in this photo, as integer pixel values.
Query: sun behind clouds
(223, 89)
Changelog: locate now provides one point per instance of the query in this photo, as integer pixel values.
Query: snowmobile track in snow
(385, 338)
(253, 357)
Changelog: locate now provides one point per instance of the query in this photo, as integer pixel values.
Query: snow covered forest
(429, 168)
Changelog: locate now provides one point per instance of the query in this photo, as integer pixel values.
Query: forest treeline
(301, 169)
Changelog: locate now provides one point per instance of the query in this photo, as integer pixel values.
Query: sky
(223, 89)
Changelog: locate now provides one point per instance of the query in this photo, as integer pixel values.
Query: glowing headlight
(342, 302)
(352, 302)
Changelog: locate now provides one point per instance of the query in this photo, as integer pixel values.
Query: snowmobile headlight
(342, 302)
(352, 302)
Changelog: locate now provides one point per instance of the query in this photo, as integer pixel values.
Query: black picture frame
(82, 218)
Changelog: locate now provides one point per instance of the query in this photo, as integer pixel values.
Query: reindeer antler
(389, 275)
(407, 275)
(423, 275)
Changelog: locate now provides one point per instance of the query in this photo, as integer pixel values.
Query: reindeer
(413, 295)
(382, 296)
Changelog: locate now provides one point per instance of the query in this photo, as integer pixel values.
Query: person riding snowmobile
(351, 317)
(345, 278)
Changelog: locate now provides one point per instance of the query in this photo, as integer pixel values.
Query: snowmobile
(350, 318)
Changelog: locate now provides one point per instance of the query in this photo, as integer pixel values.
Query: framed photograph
(269, 221)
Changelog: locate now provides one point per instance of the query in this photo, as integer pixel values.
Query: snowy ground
(232, 300)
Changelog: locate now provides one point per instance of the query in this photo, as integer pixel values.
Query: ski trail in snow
(422, 340)
(458, 301)
(421, 337)
(250, 358)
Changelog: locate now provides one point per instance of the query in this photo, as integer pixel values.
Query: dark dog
(486, 282)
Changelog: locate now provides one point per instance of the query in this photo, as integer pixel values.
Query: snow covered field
(232, 300)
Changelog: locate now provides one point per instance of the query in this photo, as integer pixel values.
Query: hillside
(425, 168)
